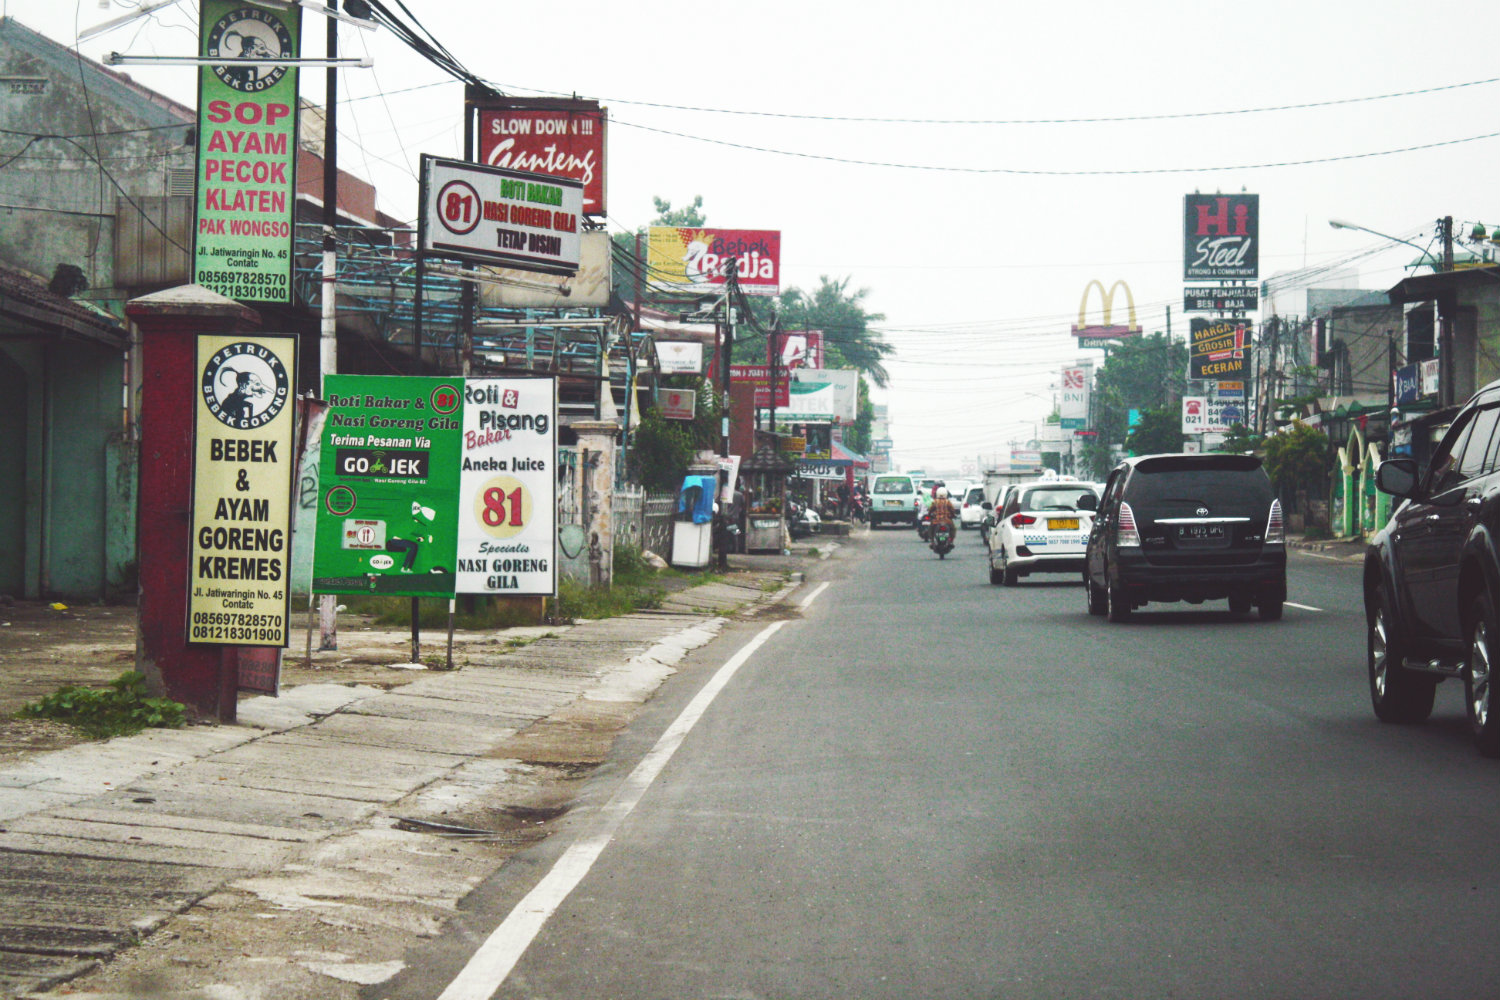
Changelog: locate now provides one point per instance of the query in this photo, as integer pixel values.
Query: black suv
(1432, 576)
(1189, 528)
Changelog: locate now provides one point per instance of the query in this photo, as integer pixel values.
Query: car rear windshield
(975, 495)
(1219, 481)
(1054, 497)
(897, 485)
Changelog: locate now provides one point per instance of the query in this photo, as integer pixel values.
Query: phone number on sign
(243, 285)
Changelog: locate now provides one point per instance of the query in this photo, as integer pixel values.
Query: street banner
(507, 504)
(798, 348)
(678, 404)
(828, 468)
(548, 135)
(1431, 372)
(1406, 384)
(830, 391)
(760, 375)
(1220, 235)
(486, 215)
(1205, 415)
(695, 261)
(1216, 350)
(433, 486)
(679, 357)
(1239, 298)
(246, 186)
(239, 556)
(1074, 405)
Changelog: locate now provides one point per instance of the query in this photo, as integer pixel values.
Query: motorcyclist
(942, 510)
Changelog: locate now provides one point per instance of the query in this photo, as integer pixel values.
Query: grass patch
(123, 708)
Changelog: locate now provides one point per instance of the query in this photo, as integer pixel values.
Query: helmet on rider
(942, 493)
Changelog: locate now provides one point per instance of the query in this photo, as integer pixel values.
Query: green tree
(1144, 373)
(661, 450)
(1157, 432)
(1297, 462)
(848, 341)
(1239, 440)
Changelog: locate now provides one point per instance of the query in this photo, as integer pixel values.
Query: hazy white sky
(974, 234)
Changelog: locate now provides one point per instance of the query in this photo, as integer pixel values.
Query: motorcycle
(924, 527)
(857, 509)
(942, 540)
(802, 521)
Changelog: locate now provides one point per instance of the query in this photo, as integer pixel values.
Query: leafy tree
(848, 341)
(1157, 432)
(1144, 373)
(1297, 460)
(1239, 440)
(661, 450)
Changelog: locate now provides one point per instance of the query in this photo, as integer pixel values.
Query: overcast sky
(974, 234)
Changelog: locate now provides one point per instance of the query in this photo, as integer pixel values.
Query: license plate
(1201, 531)
(1062, 524)
(894, 503)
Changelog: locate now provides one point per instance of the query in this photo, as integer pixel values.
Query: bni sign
(487, 215)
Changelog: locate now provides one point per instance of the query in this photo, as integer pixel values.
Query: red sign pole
(203, 677)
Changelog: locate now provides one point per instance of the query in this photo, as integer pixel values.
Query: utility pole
(328, 343)
(1445, 319)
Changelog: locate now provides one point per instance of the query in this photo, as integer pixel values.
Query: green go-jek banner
(429, 487)
(247, 150)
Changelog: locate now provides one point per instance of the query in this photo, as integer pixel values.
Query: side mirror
(987, 505)
(1088, 502)
(1398, 477)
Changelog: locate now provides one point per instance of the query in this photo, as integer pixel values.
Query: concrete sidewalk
(349, 818)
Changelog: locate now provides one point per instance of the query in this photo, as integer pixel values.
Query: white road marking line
(1304, 607)
(495, 959)
(802, 604)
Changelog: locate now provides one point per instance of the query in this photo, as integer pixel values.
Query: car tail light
(1022, 520)
(1275, 529)
(1126, 532)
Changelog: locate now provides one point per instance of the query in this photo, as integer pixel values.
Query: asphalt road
(928, 786)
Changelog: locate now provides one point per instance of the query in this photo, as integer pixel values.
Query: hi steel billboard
(246, 186)
(695, 260)
(563, 138)
(1220, 237)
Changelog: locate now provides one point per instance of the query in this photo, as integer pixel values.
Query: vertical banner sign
(247, 151)
(426, 488)
(387, 485)
(239, 558)
(1074, 408)
(507, 519)
(1221, 237)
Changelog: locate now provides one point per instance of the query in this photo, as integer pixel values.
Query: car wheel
(1011, 576)
(1479, 678)
(1239, 603)
(1270, 610)
(1098, 602)
(1396, 693)
(995, 575)
(1118, 605)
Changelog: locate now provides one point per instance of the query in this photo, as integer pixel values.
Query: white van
(893, 500)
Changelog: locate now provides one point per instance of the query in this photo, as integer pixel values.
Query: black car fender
(1380, 575)
(1479, 566)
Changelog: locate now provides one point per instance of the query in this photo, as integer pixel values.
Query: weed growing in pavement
(123, 708)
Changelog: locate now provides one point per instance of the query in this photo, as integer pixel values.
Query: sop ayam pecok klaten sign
(247, 151)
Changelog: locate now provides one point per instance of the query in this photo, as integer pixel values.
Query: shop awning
(845, 454)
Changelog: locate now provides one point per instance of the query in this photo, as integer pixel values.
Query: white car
(1043, 527)
(971, 507)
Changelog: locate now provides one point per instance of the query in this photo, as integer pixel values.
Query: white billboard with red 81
(489, 215)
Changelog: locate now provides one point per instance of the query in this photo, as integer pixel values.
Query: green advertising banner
(429, 487)
(247, 151)
(388, 486)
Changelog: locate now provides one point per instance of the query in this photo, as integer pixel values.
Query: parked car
(893, 500)
(992, 513)
(971, 507)
(1189, 528)
(1432, 577)
(1042, 528)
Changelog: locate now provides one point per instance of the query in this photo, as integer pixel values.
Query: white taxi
(1042, 528)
